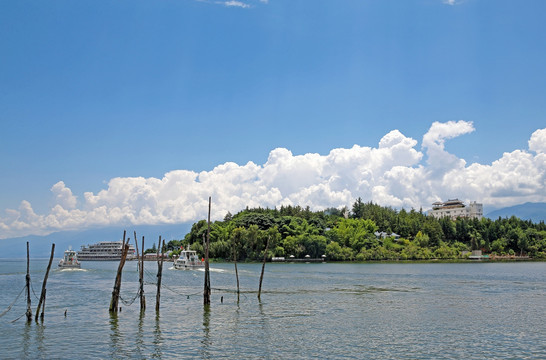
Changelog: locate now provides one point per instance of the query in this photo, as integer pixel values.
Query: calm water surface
(359, 311)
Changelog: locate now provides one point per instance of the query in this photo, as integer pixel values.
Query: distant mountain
(40, 246)
(535, 212)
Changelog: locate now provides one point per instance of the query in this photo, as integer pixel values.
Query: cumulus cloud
(537, 143)
(434, 141)
(64, 195)
(393, 173)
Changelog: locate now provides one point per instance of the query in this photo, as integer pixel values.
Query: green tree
(358, 209)
(433, 229)
(498, 246)
(523, 243)
(354, 233)
(421, 240)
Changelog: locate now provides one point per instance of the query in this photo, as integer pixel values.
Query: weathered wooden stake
(43, 308)
(263, 268)
(142, 297)
(236, 272)
(159, 272)
(137, 253)
(140, 262)
(206, 291)
(117, 283)
(29, 311)
(43, 294)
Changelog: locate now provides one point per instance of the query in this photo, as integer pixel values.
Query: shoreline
(506, 258)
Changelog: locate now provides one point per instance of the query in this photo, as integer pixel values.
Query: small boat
(70, 260)
(188, 259)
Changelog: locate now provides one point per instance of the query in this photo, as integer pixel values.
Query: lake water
(359, 311)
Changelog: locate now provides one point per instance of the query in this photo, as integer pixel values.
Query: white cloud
(233, 3)
(434, 140)
(537, 143)
(236, 4)
(64, 195)
(453, 2)
(517, 177)
(394, 173)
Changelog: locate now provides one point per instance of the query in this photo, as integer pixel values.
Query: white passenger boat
(69, 260)
(188, 259)
(105, 251)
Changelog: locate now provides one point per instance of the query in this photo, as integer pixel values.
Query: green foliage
(297, 231)
(336, 252)
(421, 240)
(354, 233)
(152, 250)
(499, 245)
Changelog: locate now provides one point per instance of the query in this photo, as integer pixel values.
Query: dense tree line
(344, 235)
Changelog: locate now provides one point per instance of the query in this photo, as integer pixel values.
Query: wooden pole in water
(137, 252)
(141, 279)
(140, 262)
(43, 294)
(159, 273)
(206, 291)
(29, 311)
(117, 283)
(235, 261)
(263, 268)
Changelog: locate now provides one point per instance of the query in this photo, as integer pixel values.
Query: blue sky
(92, 91)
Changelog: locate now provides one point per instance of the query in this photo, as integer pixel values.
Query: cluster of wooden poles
(117, 284)
(206, 290)
(114, 303)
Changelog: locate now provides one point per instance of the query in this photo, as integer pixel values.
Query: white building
(455, 208)
(384, 235)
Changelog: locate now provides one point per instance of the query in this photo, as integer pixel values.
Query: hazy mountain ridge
(535, 212)
(40, 246)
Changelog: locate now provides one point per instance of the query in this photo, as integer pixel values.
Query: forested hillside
(350, 234)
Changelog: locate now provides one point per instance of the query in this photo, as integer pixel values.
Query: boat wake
(201, 269)
(72, 269)
(212, 270)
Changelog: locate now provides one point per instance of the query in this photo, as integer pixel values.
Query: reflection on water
(139, 338)
(27, 339)
(40, 338)
(380, 311)
(206, 341)
(115, 336)
(158, 340)
(264, 330)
